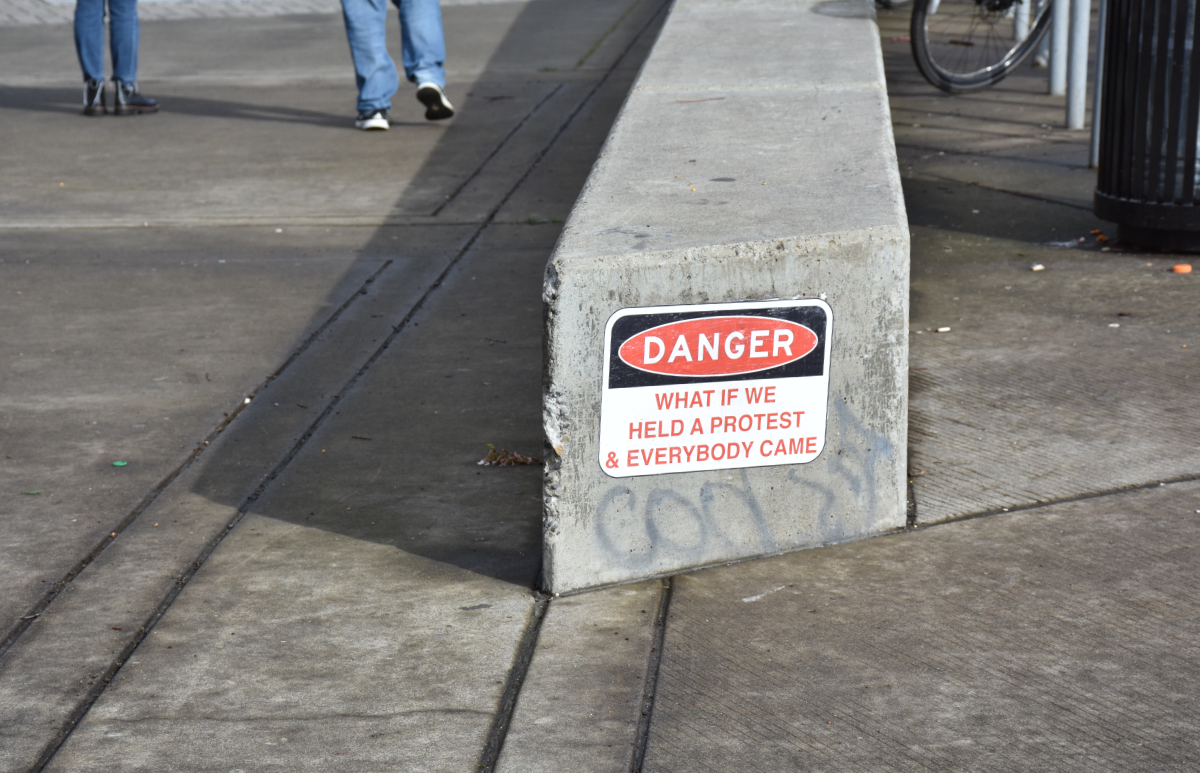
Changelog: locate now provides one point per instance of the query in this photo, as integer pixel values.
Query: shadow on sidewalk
(62, 101)
(397, 472)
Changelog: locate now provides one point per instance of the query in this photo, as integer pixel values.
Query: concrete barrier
(748, 193)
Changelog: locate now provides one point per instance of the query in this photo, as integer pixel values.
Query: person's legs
(422, 41)
(89, 38)
(424, 48)
(374, 70)
(123, 34)
(123, 31)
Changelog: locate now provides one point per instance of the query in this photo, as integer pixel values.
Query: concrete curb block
(776, 182)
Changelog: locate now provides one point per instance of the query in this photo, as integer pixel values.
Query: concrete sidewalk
(301, 339)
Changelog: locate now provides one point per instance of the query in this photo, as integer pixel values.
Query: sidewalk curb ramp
(748, 191)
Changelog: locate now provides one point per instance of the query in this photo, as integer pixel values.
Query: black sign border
(623, 376)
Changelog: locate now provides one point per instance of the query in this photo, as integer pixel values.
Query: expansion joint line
(115, 531)
(1108, 492)
(110, 673)
(604, 37)
(910, 488)
(499, 146)
(638, 755)
(994, 189)
(512, 688)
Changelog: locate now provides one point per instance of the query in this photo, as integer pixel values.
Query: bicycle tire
(941, 44)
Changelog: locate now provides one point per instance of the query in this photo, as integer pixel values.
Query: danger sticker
(714, 386)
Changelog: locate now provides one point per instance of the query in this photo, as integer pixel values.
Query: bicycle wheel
(967, 45)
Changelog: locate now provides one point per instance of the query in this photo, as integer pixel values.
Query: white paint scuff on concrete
(752, 599)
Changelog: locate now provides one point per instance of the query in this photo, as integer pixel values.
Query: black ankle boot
(93, 97)
(130, 101)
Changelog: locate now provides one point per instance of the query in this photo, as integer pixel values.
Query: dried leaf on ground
(505, 458)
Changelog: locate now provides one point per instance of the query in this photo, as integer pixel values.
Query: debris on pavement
(32, 493)
(1037, 267)
(1182, 268)
(505, 458)
(943, 330)
(119, 464)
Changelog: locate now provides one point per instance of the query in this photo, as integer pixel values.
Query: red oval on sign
(718, 346)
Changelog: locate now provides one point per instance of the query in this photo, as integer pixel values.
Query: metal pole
(1021, 20)
(1060, 26)
(1041, 57)
(1081, 24)
(1098, 85)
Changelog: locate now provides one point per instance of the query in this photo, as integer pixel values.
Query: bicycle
(968, 45)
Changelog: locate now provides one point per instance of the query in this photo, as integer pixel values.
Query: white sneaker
(375, 120)
(437, 106)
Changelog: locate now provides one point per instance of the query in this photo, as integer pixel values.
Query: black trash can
(1148, 181)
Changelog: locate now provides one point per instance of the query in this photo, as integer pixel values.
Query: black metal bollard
(1150, 124)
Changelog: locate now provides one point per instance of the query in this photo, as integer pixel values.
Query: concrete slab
(57, 12)
(244, 156)
(267, 139)
(691, 202)
(481, 38)
(286, 50)
(267, 657)
(1029, 405)
(87, 631)
(134, 350)
(436, 553)
(1061, 638)
(581, 701)
(1062, 420)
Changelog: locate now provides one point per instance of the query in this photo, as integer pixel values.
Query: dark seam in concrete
(111, 535)
(1019, 194)
(494, 743)
(1042, 162)
(81, 711)
(499, 146)
(910, 513)
(512, 689)
(604, 37)
(911, 525)
(133, 722)
(1067, 500)
(638, 757)
(289, 221)
(731, 562)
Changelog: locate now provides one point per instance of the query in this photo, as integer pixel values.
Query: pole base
(1160, 239)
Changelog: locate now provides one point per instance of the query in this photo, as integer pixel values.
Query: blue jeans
(421, 41)
(89, 38)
